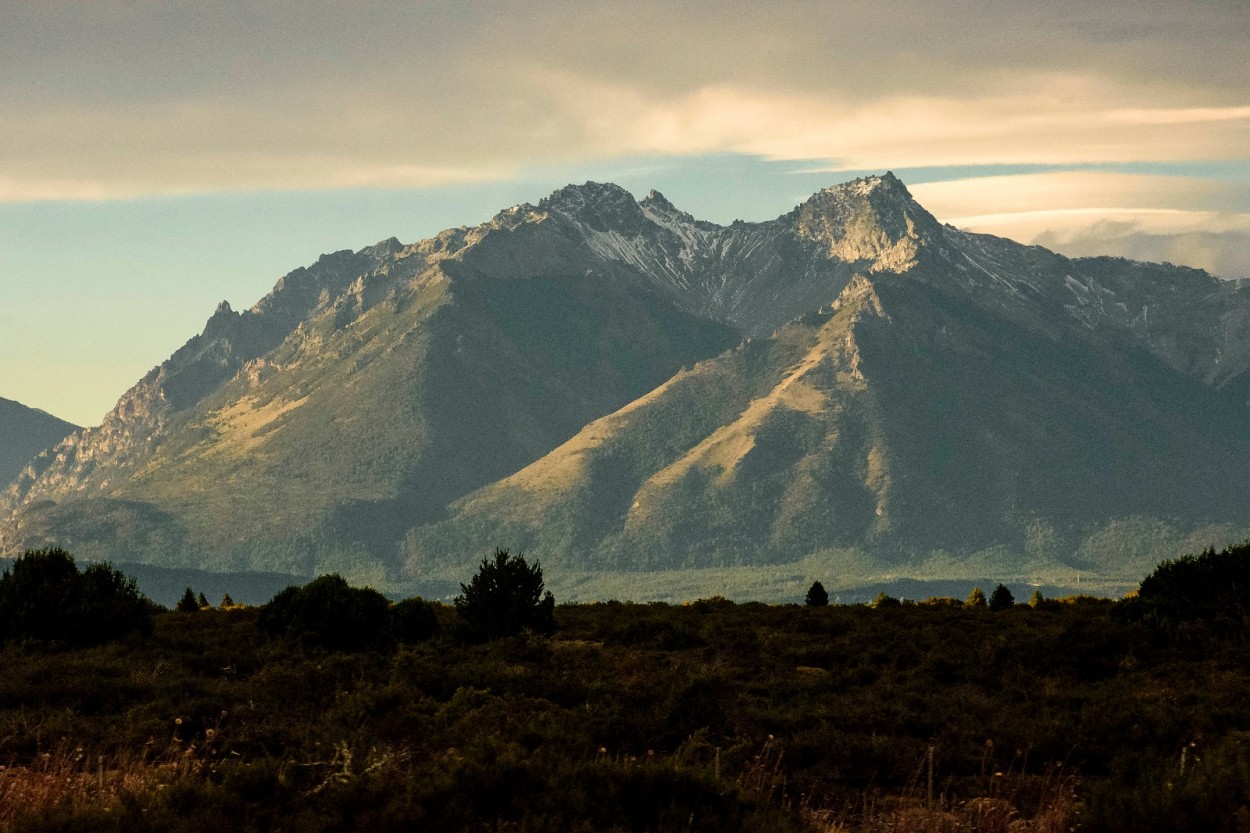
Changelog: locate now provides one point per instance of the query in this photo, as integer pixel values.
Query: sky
(158, 157)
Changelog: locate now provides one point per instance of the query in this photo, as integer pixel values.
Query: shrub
(505, 597)
(885, 600)
(111, 604)
(329, 613)
(44, 597)
(942, 601)
(413, 620)
(660, 629)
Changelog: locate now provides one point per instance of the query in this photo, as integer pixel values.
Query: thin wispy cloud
(1184, 115)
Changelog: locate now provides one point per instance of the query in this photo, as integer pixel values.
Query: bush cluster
(1211, 589)
(45, 597)
(329, 613)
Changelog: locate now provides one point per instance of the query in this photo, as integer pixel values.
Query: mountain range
(656, 407)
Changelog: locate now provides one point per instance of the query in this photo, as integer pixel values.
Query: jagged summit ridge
(753, 275)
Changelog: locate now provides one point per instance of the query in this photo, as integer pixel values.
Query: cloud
(1028, 127)
(1224, 253)
(124, 99)
(961, 200)
(1191, 221)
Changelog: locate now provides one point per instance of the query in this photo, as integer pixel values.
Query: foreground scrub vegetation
(709, 716)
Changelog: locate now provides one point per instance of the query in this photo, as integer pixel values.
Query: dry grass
(1057, 814)
(1013, 802)
(68, 777)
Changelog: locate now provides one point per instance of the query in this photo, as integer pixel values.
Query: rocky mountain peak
(871, 220)
(657, 201)
(663, 213)
(598, 205)
(964, 394)
(222, 322)
(384, 249)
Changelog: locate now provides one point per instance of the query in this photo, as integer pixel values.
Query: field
(707, 716)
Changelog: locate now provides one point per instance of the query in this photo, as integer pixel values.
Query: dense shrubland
(709, 716)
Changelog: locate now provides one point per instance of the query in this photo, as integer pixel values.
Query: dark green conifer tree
(816, 595)
(1001, 598)
(188, 603)
(504, 598)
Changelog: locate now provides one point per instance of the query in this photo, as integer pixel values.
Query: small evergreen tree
(505, 597)
(202, 601)
(1001, 598)
(227, 602)
(976, 598)
(188, 603)
(1036, 599)
(816, 595)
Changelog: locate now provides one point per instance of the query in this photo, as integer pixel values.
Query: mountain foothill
(656, 406)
